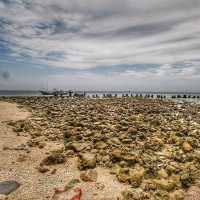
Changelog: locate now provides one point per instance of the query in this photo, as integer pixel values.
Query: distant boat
(47, 92)
(56, 92)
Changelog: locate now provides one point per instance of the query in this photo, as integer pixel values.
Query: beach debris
(78, 195)
(66, 188)
(7, 187)
(70, 185)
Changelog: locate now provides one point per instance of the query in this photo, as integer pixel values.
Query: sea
(168, 95)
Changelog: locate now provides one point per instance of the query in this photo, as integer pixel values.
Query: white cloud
(91, 33)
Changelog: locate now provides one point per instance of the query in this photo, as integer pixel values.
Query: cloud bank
(146, 39)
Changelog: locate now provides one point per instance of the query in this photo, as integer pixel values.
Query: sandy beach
(112, 148)
(99, 100)
(21, 164)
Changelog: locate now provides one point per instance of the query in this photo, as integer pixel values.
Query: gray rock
(6, 187)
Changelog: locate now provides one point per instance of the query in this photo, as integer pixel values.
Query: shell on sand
(193, 193)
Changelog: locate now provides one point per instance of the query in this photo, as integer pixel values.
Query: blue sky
(93, 44)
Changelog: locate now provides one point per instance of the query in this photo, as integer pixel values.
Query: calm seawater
(100, 94)
(20, 93)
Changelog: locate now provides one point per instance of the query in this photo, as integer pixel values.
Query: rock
(130, 159)
(176, 179)
(100, 186)
(186, 179)
(161, 195)
(123, 176)
(64, 188)
(21, 158)
(89, 175)
(114, 141)
(193, 193)
(101, 197)
(124, 123)
(165, 184)
(78, 147)
(155, 122)
(132, 130)
(53, 171)
(18, 129)
(171, 169)
(149, 185)
(67, 134)
(121, 133)
(162, 173)
(187, 147)
(87, 161)
(116, 154)
(43, 169)
(127, 141)
(103, 152)
(115, 169)
(197, 156)
(3, 197)
(6, 187)
(71, 184)
(122, 163)
(41, 145)
(54, 158)
(177, 195)
(128, 195)
(136, 176)
(100, 145)
(158, 141)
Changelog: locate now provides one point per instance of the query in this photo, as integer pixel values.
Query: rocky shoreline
(149, 144)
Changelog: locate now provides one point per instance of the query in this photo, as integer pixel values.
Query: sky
(148, 45)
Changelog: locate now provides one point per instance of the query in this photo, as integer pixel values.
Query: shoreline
(180, 96)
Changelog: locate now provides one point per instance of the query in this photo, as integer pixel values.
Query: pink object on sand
(77, 196)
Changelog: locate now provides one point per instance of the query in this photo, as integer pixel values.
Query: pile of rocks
(150, 144)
